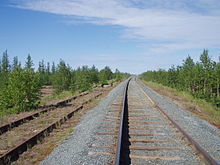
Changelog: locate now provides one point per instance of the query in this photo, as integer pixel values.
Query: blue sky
(131, 35)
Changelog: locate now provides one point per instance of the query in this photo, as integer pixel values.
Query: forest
(201, 79)
(20, 87)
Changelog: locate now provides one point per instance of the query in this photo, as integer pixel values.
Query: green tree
(83, 79)
(22, 90)
(62, 77)
(217, 84)
(187, 74)
(201, 79)
(5, 69)
(47, 75)
(15, 63)
(41, 67)
(172, 76)
(206, 77)
(53, 69)
(29, 63)
(94, 74)
(117, 75)
(0, 66)
(5, 63)
(105, 75)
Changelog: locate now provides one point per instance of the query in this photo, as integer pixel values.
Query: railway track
(137, 131)
(46, 108)
(29, 131)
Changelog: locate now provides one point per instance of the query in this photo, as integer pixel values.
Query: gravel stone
(187, 155)
(200, 130)
(75, 149)
(87, 146)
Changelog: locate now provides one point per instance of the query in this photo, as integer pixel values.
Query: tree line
(20, 86)
(201, 79)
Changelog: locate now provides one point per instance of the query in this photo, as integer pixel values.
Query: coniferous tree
(29, 63)
(41, 67)
(41, 71)
(53, 69)
(5, 62)
(5, 69)
(15, 63)
(48, 68)
(105, 75)
(187, 75)
(84, 78)
(94, 75)
(117, 75)
(20, 87)
(0, 66)
(217, 83)
(202, 79)
(62, 77)
(22, 90)
(207, 65)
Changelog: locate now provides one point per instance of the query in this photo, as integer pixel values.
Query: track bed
(128, 127)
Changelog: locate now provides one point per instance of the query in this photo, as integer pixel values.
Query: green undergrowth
(185, 100)
(45, 100)
(6, 112)
(58, 95)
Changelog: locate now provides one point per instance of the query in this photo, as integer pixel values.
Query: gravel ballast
(200, 130)
(87, 146)
(75, 149)
(180, 152)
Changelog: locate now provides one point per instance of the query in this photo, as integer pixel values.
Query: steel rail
(16, 123)
(206, 156)
(13, 154)
(208, 159)
(120, 132)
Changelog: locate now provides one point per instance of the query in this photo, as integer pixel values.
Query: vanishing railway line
(17, 136)
(137, 131)
(133, 130)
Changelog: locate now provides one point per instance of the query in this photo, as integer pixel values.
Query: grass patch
(185, 100)
(63, 94)
(59, 95)
(6, 112)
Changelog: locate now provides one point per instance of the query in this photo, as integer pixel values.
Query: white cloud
(170, 24)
